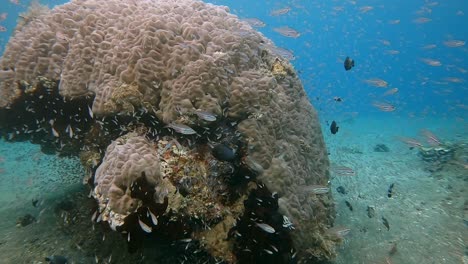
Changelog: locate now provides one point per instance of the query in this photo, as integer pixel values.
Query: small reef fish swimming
(411, 142)
(385, 223)
(390, 190)
(391, 92)
(454, 43)
(342, 190)
(284, 53)
(377, 82)
(342, 170)
(348, 63)
(56, 259)
(319, 189)
(2, 29)
(334, 127)
(385, 107)
(348, 204)
(287, 32)
(182, 129)
(339, 231)
(207, 116)
(431, 62)
(254, 22)
(266, 227)
(421, 20)
(279, 12)
(223, 152)
(432, 139)
(337, 99)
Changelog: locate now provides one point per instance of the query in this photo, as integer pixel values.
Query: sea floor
(427, 213)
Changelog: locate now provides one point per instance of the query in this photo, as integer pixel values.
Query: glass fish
(287, 32)
(422, 20)
(385, 107)
(391, 92)
(377, 82)
(343, 170)
(279, 12)
(207, 116)
(454, 43)
(432, 139)
(431, 62)
(144, 226)
(254, 22)
(318, 189)
(410, 142)
(365, 9)
(266, 227)
(182, 129)
(154, 219)
(284, 53)
(340, 231)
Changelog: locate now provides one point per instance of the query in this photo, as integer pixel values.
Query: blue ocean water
(418, 47)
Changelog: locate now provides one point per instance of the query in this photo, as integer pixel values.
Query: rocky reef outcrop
(188, 123)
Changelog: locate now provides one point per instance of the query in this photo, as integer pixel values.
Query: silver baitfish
(207, 116)
(182, 129)
(266, 227)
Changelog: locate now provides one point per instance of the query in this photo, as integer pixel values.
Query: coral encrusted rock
(189, 123)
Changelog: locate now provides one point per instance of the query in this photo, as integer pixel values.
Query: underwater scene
(234, 131)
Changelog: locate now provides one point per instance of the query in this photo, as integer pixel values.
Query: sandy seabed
(427, 213)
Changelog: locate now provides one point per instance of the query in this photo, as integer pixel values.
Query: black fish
(56, 259)
(390, 190)
(341, 190)
(349, 205)
(337, 99)
(385, 223)
(348, 63)
(223, 152)
(34, 202)
(334, 128)
(370, 211)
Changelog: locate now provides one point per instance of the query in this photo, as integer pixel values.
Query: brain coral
(171, 59)
(125, 161)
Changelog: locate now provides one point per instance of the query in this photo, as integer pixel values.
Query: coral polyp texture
(188, 122)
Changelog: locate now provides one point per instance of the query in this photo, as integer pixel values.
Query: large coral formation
(112, 74)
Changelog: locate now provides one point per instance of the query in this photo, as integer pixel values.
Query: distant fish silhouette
(348, 63)
(56, 259)
(334, 127)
